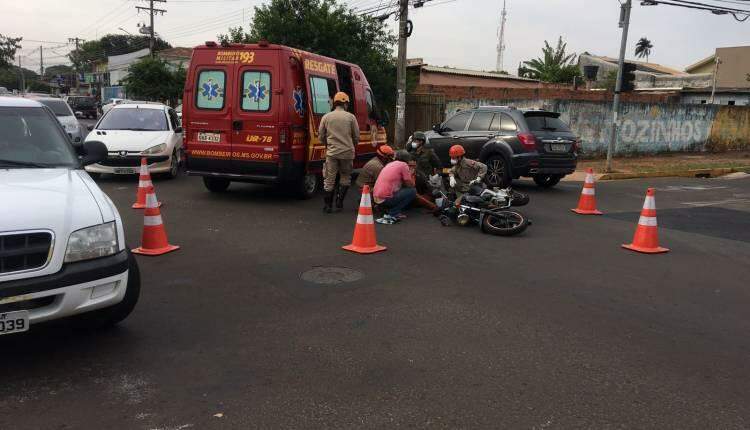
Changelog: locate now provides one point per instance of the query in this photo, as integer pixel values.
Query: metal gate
(423, 111)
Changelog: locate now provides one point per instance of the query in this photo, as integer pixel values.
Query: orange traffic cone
(587, 202)
(154, 239)
(646, 238)
(144, 181)
(364, 241)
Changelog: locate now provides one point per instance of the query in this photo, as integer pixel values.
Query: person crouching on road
(339, 132)
(428, 163)
(464, 171)
(394, 188)
(371, 170)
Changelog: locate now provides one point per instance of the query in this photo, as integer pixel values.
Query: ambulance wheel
(216, 185)
(307, 186)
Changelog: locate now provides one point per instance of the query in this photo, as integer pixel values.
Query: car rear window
(546, 123)
(59, 107)
(256, 91)
(481, 121)
(210, 90)
(134, 119)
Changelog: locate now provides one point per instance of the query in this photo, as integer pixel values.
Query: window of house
(210, 89)
(503, 122)
(481, 121)
(457, 122)
(730, 102)
(322, 91)
(703, 102)
(256, 91)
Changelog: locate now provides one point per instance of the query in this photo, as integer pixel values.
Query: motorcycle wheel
(504, 223)
(519, 199)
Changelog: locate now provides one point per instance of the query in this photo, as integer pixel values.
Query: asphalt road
(556, 328)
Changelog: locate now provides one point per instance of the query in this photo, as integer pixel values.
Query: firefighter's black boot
(340, 198)
(327, 201)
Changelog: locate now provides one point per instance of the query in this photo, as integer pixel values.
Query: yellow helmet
(341, 97)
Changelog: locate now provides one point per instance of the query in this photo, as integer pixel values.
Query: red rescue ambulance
(251, 114)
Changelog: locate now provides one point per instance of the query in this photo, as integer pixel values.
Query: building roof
(467, 72)
(643, 66)
(710, 59)
(177, 53)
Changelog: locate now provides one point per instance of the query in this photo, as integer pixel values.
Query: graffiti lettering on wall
(680, 132)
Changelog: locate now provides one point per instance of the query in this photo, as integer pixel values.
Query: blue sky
(459, 33)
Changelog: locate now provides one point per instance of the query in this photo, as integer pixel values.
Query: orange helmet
(385, 151)
(341, 97)
(456, 151)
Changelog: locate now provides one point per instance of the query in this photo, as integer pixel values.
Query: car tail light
(528, 141)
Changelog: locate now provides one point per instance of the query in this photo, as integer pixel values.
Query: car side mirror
(93, 152)
(178, 129)
(89, 127)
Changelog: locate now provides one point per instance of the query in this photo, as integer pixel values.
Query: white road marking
(689, 188)
(716, 202)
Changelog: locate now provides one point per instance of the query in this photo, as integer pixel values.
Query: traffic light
(628, 77)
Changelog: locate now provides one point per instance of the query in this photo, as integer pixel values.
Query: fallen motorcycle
(490, 208)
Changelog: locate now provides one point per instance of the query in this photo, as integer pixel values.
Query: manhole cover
(331, 275)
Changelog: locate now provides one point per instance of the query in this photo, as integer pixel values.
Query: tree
(8, 48)
(152, 79)
(609, 82)
(554, 66)
(327, 28)
(643, 48)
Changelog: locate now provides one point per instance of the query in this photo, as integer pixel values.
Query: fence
(423, 111)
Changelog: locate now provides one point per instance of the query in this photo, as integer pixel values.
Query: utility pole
(151, 12)
(78, 71)
(23, 78)
(501, 40)
(624, 23)
(717, 61)
(403, 19)
(41, 60)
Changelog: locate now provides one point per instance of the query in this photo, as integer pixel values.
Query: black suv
(86, 105)
(511, 142)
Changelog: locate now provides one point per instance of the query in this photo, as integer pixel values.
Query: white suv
(62, 245)
(139, 129)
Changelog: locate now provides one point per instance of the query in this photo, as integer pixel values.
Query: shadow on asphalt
(708, 221)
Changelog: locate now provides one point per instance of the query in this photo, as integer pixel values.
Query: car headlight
(92, 242)
(155, 149)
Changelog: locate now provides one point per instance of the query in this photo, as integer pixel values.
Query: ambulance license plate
(558, 147)
(125, 171)
(209, 137)
(14, 322)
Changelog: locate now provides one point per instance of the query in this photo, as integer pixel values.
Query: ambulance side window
(256, 91)
(322, 91)
(210, 90)
(371, 112)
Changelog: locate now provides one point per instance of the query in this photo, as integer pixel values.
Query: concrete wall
(735, 64)
(731, 129)
(721, 98)
(645, 127)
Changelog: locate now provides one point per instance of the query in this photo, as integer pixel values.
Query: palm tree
(643, 48)
(554, 66)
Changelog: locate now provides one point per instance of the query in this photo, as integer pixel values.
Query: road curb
(692, 173)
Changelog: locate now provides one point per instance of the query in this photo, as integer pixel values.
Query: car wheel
(216, 185)
(174, 165)
(307, 186)
(112, 315)
(498, 174)
(547, 181)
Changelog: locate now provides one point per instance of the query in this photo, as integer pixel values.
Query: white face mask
(414, 145)
(454, 161)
